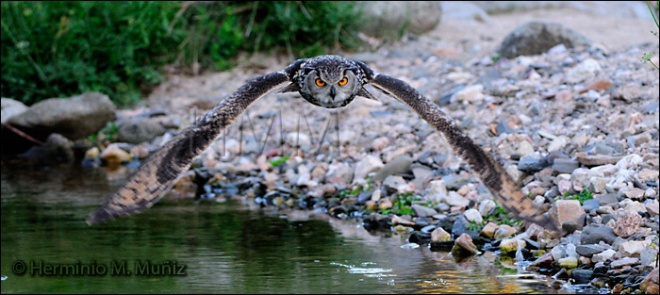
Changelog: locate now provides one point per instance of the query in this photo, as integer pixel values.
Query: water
(210, 247)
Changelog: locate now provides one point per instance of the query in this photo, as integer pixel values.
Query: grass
(64, 48)
(402, 204)
(277, 161)
(107, 133)
(647, 56)
(501, 216)
(581, 197)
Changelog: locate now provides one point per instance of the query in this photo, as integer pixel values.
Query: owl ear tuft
(293, 87)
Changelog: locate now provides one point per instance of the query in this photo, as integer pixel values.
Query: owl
(327, 81)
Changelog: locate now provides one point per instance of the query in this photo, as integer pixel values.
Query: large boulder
(388, 19)
(11, 108)
(74, 118)
(537, 37)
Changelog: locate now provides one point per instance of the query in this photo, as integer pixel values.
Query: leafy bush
(52, 49)
(59, 49)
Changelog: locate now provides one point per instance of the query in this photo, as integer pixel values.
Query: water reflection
(225, 248)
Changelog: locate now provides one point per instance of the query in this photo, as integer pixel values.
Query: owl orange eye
(319, 82)
(343, 81)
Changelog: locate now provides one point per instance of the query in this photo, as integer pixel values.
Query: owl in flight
(328, 81)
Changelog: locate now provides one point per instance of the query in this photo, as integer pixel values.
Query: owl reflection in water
(327, 81)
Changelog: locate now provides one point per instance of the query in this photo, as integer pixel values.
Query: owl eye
(343, 81)
(319, 82)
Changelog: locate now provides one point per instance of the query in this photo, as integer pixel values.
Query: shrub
(59, 49)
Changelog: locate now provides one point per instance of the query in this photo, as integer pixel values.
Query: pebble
(511, 245)
(624, 261)
(470, 94)
(473, 215)
(423, 211)
(633, 192)
(590, 250)
(463, 246)
(397, 220)
(652, 207)
(297, 139)
(392, 184)
(595, 233)
(632, 248)
(603, 256)
(568, 262)
(582, 276)
(489, 230)
(650, 283)
(487, 205)
(504, 231)
(562, 165)
(440, 235)
(456, 200)
(607, 199)
(567, 210)
(113, 155)
(627, 224)
(367, 165)
(648, 256)
(532, 163)
(590, 205)
(586, 70)
(384, 204)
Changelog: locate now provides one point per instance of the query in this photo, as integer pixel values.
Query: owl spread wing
(496, 179)
(157, 173)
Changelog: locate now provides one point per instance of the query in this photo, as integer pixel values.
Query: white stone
(632, 248)
(558, 143)
(629, 162)
(487, 205)
(472, 93)
(599, 184)
(459, 77)
(586, 70)
(436, 190)
(454, 199)
(297, 139)
(603, 256)
(631, 205)
(365, 166)
(651, 206)
(473, 215)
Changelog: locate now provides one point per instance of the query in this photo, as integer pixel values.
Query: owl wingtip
(99, 215)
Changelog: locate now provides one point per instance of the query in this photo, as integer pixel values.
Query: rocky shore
(575, 122)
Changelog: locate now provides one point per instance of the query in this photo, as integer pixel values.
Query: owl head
(329, 81)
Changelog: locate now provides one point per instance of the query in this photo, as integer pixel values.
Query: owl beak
(333, 92)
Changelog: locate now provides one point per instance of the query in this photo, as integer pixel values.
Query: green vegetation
(107, 133)
(647, 56)
(357, 189)
(278, 161)
(501, 216)
(402, 204)
(581, 197)
(59, 49)
(474, 226)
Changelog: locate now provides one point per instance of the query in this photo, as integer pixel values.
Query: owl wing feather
(157, 173)
(497, 180)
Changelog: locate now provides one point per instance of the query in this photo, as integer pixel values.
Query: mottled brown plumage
(158, 172)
